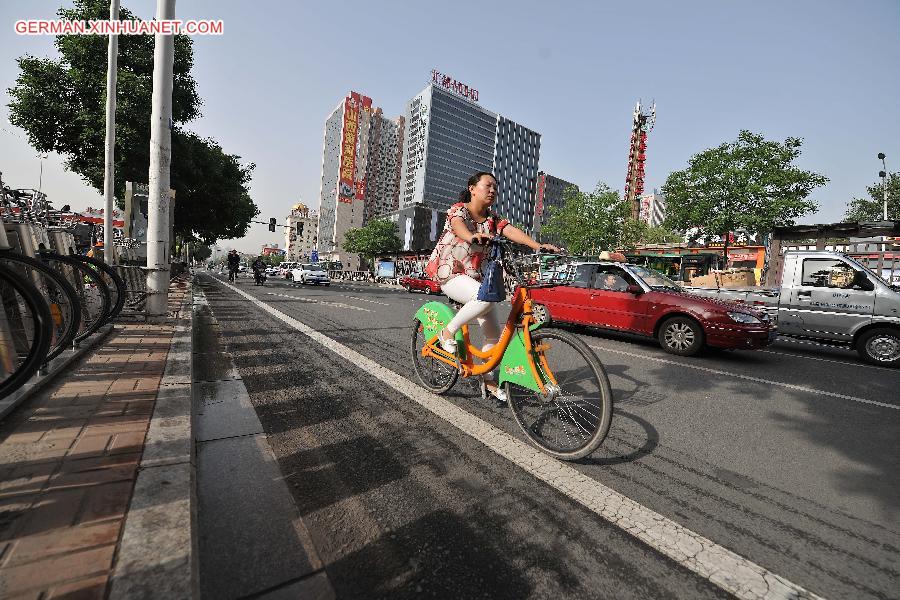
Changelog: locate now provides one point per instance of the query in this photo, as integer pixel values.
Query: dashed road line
(317, 301)
(372, 301)
(790, 386)
(724, 568)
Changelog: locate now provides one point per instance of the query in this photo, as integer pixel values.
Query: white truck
(830, 297)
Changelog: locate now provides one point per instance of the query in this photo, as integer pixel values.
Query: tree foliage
(61, 105)
(636, 232)
(379, 236)
(588, 223)
(200, 252)
(872, 208)
(749, 184)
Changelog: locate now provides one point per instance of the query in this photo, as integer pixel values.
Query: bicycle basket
(539, 270)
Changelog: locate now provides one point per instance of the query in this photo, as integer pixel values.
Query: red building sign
(448, 83)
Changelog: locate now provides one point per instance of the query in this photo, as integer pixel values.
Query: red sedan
(639, 300)
(420, 283)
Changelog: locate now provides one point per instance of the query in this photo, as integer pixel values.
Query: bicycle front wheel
(572, 418)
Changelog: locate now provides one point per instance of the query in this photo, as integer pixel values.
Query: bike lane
(401, 505)
(742, 462)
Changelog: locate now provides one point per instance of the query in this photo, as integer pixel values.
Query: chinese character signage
(360, 186)
(448, 83)
(348, 148)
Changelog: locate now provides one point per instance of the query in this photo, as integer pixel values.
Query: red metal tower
(634, 181)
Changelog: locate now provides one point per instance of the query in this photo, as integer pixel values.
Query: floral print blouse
(453, 256)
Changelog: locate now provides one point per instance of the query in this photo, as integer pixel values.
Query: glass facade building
(449, 137)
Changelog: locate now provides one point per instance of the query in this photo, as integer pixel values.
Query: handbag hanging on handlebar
(492, 288)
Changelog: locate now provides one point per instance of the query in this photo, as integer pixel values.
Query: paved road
(786, 457)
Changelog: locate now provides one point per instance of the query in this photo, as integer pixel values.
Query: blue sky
(820, 70)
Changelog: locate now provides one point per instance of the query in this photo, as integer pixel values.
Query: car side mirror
(634, 289)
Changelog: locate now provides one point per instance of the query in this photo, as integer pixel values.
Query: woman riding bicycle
(457, 258)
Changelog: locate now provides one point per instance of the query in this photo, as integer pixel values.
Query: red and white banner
(361, 182)
(348, 148)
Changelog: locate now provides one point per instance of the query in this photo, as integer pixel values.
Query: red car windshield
(654, 279)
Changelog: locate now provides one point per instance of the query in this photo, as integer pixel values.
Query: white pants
(464, 290)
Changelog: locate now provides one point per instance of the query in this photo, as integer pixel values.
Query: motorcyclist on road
(234, 263)
(258, 267)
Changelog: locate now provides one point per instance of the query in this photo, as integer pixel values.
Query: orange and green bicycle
(557, 389)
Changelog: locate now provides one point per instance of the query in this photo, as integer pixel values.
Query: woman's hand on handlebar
(480, 238)
(550, 248)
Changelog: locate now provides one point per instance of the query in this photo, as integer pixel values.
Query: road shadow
(441, 555)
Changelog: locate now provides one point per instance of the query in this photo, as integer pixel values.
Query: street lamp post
(883, 175)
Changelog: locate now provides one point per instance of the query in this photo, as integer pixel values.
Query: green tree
(200, 252)
(872, 208)
(636, 232)
(588, 223)
(60, 103)
(379, 236)
(750, 183)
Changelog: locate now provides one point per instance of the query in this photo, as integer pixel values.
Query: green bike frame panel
(515, 367)
(434, 316)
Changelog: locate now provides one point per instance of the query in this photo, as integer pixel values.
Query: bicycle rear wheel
(89, 287)
(434, 374)
(60, 296)
(572, 419)
(114, 283)
(25, 331)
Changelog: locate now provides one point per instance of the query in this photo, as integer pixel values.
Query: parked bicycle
(557, 389)
(50, 293)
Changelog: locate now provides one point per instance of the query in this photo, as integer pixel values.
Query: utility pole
(109, 175)
(160, 158)
(883, 174)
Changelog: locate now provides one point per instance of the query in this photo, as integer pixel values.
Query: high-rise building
(449, 137)
(360, 173)
(516, 167)
(383, 169)
(300, 233)
(653, 208)
(548, 197)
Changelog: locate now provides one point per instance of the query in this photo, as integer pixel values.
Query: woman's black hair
(466, 195)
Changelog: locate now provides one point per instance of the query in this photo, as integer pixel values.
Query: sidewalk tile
(56, 569)
(92, 588)
(51, 511)
(108, 501)
(131, 441)
(60, 541)
(12, 511)
(27, 478)
(91, 445)
(95, 471)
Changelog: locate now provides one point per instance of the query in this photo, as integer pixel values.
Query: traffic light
(272, 224)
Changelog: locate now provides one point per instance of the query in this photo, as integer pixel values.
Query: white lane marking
(367, 300)
(317, 301)
(849, 363)
(790, 386)
(726, 569)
